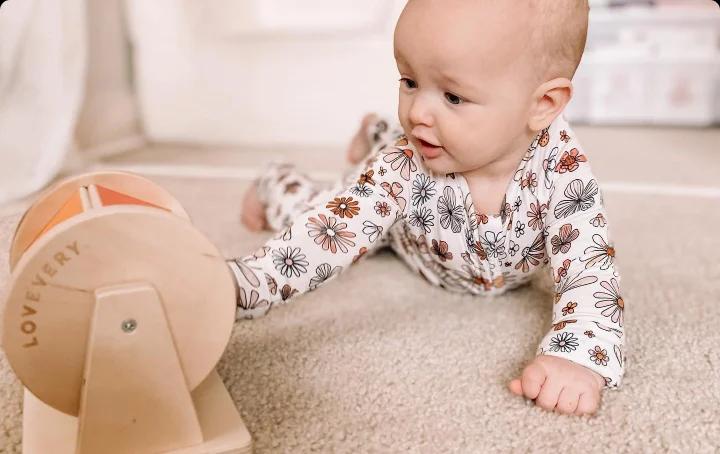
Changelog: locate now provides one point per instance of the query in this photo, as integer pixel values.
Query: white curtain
(43, 60)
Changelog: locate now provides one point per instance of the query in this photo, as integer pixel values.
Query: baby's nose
(420, 111)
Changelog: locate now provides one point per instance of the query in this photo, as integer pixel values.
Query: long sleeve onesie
(552, 215)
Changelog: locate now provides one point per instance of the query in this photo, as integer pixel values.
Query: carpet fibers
(380, 361)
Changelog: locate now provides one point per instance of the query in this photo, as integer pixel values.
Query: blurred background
(215, 87)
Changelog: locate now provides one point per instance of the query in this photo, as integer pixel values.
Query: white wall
(279, 72)
(263, 71)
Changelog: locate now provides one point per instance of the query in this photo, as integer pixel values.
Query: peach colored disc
(51, 295)
(135, 189)
(72, 207)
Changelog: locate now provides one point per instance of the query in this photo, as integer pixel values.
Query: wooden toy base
(48, 430)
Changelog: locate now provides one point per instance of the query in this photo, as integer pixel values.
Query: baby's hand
(560, 385)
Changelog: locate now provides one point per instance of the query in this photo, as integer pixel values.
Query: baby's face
(467, 81)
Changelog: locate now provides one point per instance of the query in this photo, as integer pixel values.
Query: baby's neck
(503, 168)
(489, 183)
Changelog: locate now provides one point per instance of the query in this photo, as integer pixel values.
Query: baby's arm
(588, 308)
(320, 242)
(587, 330)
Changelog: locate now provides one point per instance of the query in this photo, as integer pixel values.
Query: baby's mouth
(427, 144)
(428, 150)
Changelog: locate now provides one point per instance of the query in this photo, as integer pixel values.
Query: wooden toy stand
(117, 313)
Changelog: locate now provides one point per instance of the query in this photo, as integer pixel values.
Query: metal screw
(129, 325)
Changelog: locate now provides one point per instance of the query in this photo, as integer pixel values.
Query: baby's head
(480, 78)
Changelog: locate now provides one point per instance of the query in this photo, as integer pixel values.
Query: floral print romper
(552, 215)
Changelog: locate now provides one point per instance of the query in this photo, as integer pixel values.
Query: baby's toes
(253, 211)
(253, 221)
(368, 120)
(567, 401)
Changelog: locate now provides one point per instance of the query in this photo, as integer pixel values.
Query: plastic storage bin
(650, 66)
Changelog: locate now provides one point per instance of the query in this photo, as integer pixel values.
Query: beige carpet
(380, 361)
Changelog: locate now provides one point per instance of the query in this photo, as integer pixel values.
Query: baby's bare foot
(253, 211)
(360, 145)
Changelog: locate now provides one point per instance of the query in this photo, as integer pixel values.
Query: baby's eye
(409, 83)
(453, 99)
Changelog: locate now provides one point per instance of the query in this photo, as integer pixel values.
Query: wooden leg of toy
(135, 397)
(48, 430)
(224, 430)
(132, 367)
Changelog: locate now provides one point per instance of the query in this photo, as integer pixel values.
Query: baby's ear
(548, 101)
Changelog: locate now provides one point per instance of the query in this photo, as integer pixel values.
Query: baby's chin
(441, 165)
(446, 165)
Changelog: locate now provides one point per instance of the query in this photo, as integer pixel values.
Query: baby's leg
(362, 142)
(281, 193)
(373, 130)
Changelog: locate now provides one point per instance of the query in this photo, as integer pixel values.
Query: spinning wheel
(117, 313)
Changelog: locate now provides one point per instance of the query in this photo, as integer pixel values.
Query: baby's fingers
(567, 401)
(588, 403)
(549, 394)
(515, 387)
(532, 380)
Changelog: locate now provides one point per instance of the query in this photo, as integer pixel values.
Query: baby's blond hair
(559, 35)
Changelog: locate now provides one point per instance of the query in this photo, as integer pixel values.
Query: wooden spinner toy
(117, 312)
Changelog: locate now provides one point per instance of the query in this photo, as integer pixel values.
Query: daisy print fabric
(552, 216)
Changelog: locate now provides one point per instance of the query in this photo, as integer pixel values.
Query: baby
(481, 186)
